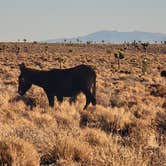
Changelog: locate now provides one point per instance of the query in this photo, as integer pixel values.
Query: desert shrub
(164, 104)
(64, 121)
(112, 121)
(5, 154)
(141, 134)
(30, 102)
(32, 134)
(103, 99)
(108, 51)
(43, 121)
(14, 152)
(70, 50)
(157, 90)
(48, 158)
(95, 137)
(154, 156)
(117, 101)
(71, 149)
(160, 123)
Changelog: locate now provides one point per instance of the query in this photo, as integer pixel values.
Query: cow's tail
(94, 90)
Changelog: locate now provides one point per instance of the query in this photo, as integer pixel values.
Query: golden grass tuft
(14, 152)
(115, 120)
(95, 137)
(70, 148)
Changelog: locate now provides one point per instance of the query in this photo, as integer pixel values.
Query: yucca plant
(4, 48)
(24, 40)
(77, 40)
(118, 56)
(144, 65)
(46, 49)
(61, 61)
(145, 48)
(17, 50)
(26, 49)
(145, 60)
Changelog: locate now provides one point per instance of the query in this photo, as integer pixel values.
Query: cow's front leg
(50, 99)
(73, 99)
(60, 99)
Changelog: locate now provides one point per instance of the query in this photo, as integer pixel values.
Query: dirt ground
(127, 126)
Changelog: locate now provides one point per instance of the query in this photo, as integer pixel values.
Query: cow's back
(67, 82)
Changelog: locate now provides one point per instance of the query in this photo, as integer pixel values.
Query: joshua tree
(24, 45)
(118, 56)
(61, 60)
(46, 49)
(103, 41)
(137, 47)
(77, 40)
(25, 49)
(145, 46)
(88, 42)
(125, 47)
(34, 42)
(144, 65)
(24, 40)
(3, 48)
(134, 43)
(145, 60)
(17, 50)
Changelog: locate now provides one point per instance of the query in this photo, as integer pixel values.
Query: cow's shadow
(29, 101)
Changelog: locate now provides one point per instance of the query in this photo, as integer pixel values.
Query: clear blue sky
(47, 19)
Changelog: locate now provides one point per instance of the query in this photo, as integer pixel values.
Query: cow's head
(23, 80)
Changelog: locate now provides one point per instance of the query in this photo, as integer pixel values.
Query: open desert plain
(127, 127)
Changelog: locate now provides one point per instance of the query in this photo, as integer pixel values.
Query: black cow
(60, 82)
(163, 73)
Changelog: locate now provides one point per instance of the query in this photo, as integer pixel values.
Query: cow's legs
(73, 99)
(60, 99)
(88, 98)
(50, 99)
(93, 100)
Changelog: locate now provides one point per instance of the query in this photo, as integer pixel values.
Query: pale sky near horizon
(49, 19)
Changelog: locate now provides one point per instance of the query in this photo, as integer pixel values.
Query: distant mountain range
(114, 37)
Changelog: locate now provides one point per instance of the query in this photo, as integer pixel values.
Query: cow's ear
(22, 66)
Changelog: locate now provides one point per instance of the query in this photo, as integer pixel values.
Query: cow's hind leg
(93, 100)
(50, 100)
(93, 97)
(88, 98)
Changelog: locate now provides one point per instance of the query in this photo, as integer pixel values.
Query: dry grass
(14, 152)
(127, 126)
